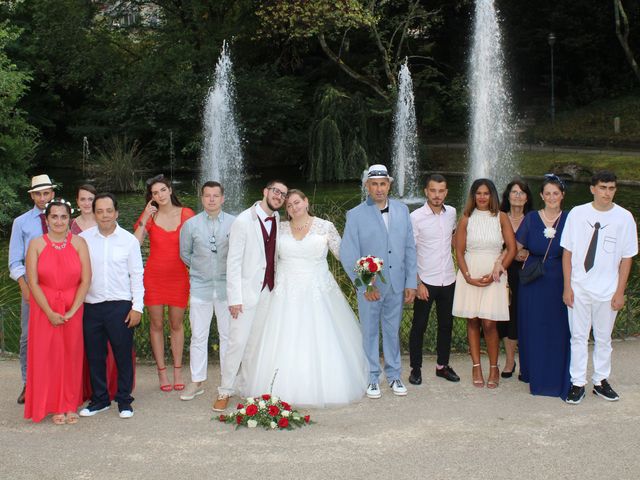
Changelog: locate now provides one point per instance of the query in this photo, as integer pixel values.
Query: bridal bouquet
(266, 411)
(367, 268)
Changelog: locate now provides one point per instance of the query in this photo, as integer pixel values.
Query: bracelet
(467, 274)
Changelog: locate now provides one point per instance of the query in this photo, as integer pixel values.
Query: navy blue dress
(543, 328)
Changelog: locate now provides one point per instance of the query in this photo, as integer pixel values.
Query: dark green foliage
(17, 137)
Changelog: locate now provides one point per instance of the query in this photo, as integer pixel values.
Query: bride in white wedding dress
(311, 336)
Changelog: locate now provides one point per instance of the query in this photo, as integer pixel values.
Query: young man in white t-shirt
(599, 240)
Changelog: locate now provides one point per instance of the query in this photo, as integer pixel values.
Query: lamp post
(551, 39)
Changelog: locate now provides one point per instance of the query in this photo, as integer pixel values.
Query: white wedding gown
(311, 336)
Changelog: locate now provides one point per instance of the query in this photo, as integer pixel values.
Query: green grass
(592, 125)
(532, 163)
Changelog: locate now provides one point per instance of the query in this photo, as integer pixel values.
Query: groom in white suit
(381, 227)
(250, 280)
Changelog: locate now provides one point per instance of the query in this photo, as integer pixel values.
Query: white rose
(274, 399)
(251, 400)
(252, 423)
(243, 411)
(286, 413)
(262, 404)
(273, 425)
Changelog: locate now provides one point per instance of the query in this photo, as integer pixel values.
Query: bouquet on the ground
(266, 411)
(367, 268)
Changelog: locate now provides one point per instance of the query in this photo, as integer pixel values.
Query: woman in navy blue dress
(543, 328)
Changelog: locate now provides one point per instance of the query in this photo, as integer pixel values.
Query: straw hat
(41, 182)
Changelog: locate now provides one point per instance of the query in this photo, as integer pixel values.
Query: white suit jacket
(246, 262)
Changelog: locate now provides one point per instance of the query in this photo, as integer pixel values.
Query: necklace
(301, 227)
(544, 217)
(59, 245)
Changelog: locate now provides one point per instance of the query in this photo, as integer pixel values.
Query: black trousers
(443, 296)
(105, 321)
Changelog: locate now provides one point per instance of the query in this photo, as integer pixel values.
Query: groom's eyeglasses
(212, 244)
(277, 192)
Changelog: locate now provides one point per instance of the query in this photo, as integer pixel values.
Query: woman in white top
(481, 294)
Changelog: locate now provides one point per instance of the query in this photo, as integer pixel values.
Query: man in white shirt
(113, 305)
(433, 228)
(599, 239)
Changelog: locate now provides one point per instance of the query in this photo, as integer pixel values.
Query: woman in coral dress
(59, 273)
(166, 278)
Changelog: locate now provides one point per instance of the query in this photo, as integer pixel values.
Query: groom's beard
(271, 207)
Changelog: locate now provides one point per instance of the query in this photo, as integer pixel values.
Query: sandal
(493, 383)
(177, 386)
(479, 382)
(167, 386)
(58, 419)
(72, 418)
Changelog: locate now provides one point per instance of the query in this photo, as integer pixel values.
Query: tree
(388, 25)
(17, 137)
(622, 32)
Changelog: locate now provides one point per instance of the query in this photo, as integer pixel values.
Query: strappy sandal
(493, 383)
(166, 387)
(177, 386)
(72, 418)
(477, 383)
(58, 419)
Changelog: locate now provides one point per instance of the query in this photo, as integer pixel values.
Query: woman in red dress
(166, 279)
(59, 273)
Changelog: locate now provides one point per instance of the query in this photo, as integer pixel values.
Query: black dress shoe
(21, 396)
(416, 377)
(447, 373)
(508, 374)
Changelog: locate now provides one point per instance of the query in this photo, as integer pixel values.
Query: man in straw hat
(27, 226)
(381, 227)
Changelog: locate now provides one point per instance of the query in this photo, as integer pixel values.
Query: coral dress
(166, 278)
(55, 354)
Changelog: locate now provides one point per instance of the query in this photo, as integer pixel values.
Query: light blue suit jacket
(366, 234)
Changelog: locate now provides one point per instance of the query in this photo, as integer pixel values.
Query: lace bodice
(310, 253)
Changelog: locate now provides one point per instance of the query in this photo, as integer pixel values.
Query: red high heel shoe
(166, 387)
(177, 386)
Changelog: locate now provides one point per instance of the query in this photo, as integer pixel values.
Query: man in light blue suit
(382, 227)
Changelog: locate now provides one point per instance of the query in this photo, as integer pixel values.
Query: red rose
(373, 267)
(239, 419)
(266, 396)
(370, 259)
(222, 418)
(239, 406)
(307, 418)
(273, 410)
(283, 422)
(252, 410)
(285, 406)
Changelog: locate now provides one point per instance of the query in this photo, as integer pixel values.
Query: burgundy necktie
(43, 222)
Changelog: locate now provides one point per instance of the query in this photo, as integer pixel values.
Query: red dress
(55, 354)
(166, 278)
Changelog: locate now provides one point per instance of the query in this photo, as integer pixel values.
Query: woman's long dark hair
(494, 202)
(161, 179)
(505, 206)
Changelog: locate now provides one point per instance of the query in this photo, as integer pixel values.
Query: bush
(118, 166)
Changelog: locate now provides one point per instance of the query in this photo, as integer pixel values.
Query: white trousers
(245, 333)
(588, 313)
(200, 314)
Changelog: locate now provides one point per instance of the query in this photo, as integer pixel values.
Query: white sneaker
(192, 391)
(126, 414)
(398, 388)
(373, 391)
